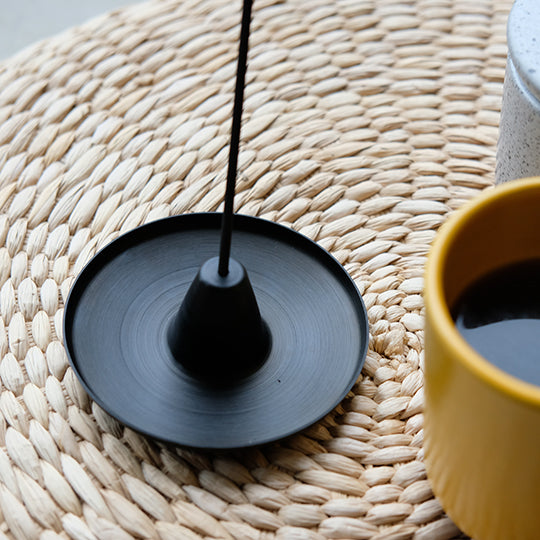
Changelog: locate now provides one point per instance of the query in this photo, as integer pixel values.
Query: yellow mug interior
(500, 227)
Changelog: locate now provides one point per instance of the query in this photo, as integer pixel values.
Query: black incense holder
(216, 352)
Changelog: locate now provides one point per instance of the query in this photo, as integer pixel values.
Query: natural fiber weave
(366, 123)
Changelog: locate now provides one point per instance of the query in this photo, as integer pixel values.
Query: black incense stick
(226, 224)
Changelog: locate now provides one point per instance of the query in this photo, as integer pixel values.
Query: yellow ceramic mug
(482, 425)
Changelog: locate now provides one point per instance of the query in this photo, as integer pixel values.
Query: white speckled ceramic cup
(518, 149)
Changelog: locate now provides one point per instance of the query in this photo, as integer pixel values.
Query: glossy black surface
(499, 316)
(122, 304)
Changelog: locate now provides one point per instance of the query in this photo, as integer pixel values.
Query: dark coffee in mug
(499, 316)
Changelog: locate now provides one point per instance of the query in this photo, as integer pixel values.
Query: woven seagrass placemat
(366, 123)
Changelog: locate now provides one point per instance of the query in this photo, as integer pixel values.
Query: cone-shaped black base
(120, 310)
(218, 334)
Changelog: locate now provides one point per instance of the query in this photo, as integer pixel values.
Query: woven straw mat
(366, 123)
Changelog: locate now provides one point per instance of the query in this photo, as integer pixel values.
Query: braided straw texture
(366, 123)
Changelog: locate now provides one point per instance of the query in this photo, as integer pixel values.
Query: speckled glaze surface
(518, 149)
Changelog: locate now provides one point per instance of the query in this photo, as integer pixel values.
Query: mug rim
(434, 297)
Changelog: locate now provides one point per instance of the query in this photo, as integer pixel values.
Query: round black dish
(119, 313)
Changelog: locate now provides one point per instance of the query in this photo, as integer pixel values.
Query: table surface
(27, 21)
(366, 124)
